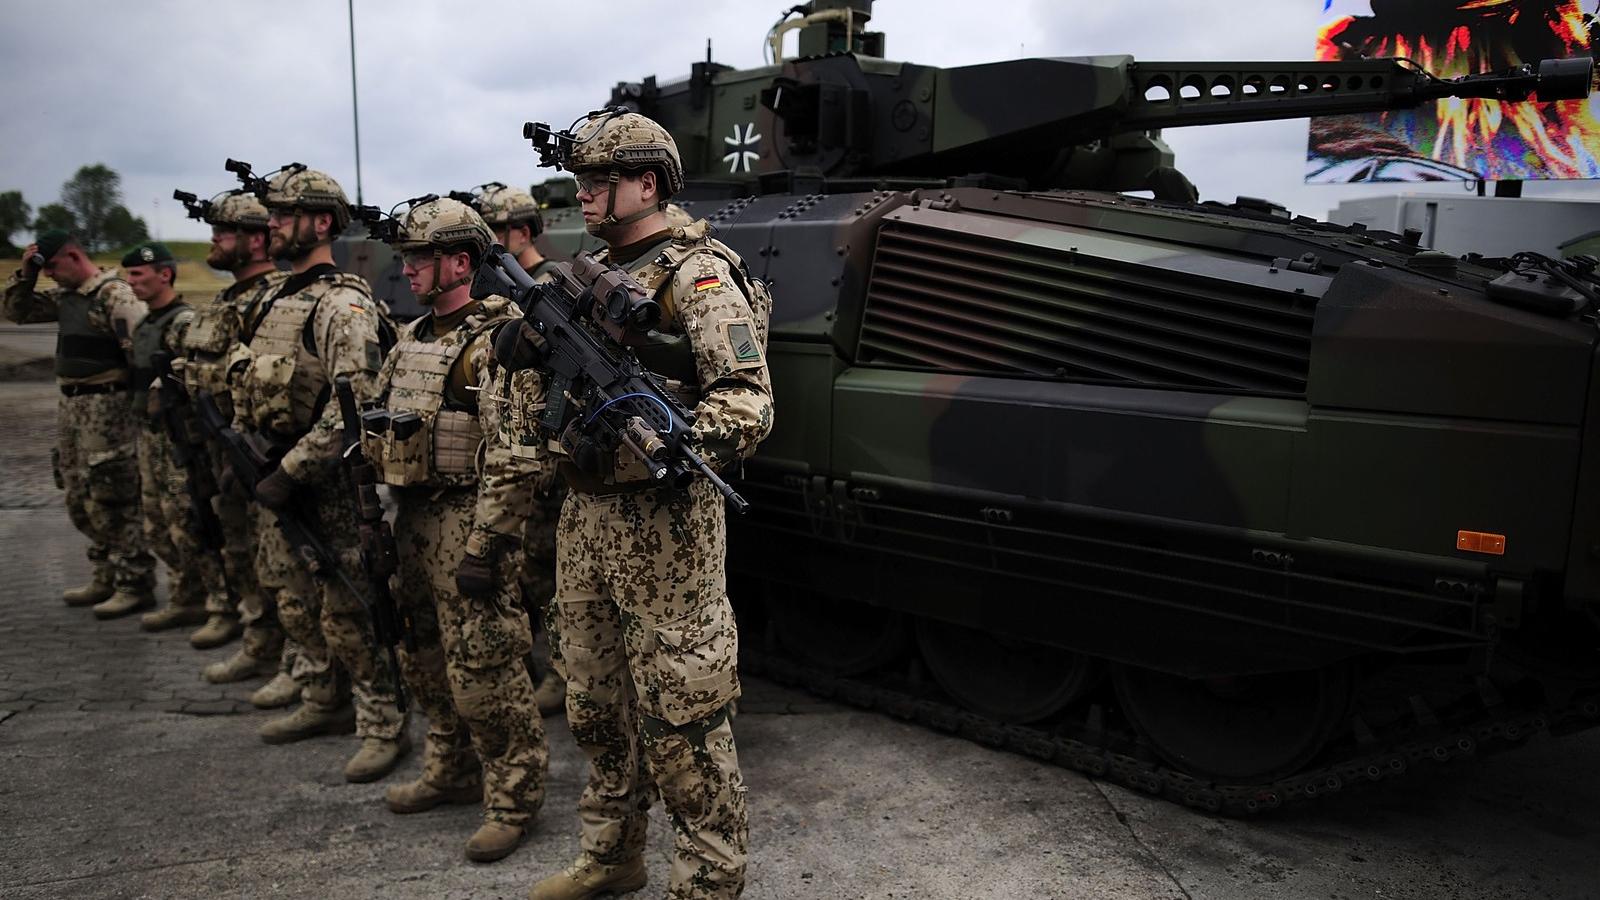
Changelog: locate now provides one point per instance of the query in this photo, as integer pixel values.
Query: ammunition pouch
(268, 385)
(456, 438)
(397, 445)
(415, 448)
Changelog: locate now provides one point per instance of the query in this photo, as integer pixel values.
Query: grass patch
(197, 282)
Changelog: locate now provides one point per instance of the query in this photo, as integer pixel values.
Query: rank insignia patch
(743, 342)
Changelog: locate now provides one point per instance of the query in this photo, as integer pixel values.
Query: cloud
(163, 90)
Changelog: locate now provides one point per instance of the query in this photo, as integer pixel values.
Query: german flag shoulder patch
(707, 283)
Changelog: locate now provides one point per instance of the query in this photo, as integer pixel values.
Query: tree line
(90, 207)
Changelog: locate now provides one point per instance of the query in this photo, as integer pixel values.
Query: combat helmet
(616, 141)
(236, 208)
(626, 141)
(297, 187)
(503, 206)
(443, 226)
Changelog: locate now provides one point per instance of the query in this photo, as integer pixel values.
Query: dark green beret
(51, 242)
(148, 254)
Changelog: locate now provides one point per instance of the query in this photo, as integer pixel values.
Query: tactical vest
(82, 350)
(149, 338)
(666, 351)
(424, 439)
(281, 384)
(214, 332)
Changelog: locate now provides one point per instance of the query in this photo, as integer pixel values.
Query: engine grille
(957, 301)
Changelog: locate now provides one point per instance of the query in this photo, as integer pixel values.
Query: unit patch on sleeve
(742, 343)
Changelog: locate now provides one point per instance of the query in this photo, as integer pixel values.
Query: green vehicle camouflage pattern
(1227, 505)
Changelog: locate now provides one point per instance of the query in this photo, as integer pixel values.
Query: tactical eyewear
(417, 260)
(593, 183)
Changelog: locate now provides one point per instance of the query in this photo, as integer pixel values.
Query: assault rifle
(622, 403)
(378, 555)
(250, 464)
(189, 454)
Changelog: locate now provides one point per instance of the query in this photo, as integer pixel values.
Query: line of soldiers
(488, 508)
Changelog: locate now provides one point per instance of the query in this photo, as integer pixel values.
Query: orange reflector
(1481, 542)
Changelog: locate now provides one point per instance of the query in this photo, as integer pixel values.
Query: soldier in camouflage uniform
(318, 325)
(457, 536)
(647, 634)
(170, 526)
(239, 245)
(95, 428)
(513, 216)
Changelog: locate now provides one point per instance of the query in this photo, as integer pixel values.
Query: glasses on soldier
(282, 213)
(417, 260)
(593, 183)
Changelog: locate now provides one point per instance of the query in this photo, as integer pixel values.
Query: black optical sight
(192, 205)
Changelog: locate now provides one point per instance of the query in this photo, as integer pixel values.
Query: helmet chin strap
(241, 248)
(432, 293)
(611, 222)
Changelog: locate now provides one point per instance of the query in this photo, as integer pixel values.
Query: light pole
(355, 108)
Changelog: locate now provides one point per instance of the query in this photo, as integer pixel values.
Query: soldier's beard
(290, 250)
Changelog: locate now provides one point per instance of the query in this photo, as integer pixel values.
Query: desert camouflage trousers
(171, 528)
(650, 649)
(327, 622)
(467, 672)
(263, 636)
(96, 464)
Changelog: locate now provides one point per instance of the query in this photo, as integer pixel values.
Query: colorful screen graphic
(1459, 139)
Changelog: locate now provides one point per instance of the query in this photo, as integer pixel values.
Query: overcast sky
(164, 90)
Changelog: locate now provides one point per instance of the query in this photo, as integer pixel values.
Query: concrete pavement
(123, 775)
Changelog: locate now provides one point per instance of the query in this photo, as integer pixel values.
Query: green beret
(148, 254)
(51, 242)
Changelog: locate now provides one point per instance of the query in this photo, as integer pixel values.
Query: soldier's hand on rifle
(588, 452)
(276, 490)
(475, 577)
(517, 346)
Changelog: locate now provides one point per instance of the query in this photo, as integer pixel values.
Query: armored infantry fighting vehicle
(1226, 505)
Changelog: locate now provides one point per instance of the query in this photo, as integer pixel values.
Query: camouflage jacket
(504, 486)
(113, 311)
(705, 300)
(340, 338)
(217, 330)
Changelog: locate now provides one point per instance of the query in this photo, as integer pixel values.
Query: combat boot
(376, 758)
(238, 667)
(281, 691)
(420, 796)
(123, 602)
(306, 722)
(588, 877)
(97, 591)
(172, 616)
(218, 630)
(551, 693)
(494, 840)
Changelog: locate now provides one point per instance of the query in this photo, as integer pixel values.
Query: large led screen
(1459, 139)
